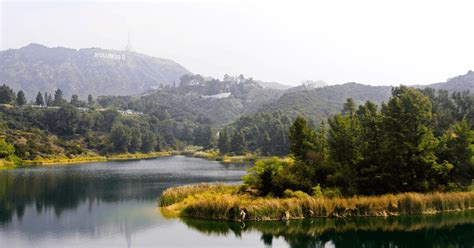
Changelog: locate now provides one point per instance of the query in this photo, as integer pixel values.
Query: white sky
(373, 42)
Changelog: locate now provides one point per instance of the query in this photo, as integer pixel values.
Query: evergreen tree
(58, 98)
(49, 100)
(343, 134)
(90, 100)
(20, 98)
(7, 96)
(203, 136)
(148, 141)
(457, 147)
(223, 141)
(369, 143)
(349, 107)
(136, 141)
(64, 121)
(237, 143)
(301, 138)
(39, 99)
(409, 145)
(75, 100)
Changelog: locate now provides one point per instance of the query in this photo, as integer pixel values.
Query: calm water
(114, 204)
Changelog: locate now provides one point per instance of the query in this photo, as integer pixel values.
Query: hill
(459, 83)
(319, 103)
(93, 71)
(198, 99)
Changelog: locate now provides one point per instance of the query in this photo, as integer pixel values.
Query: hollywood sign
(110, 56)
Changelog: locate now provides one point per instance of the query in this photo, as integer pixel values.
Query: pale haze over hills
(85, 71)
(335, 41)
(98, 72)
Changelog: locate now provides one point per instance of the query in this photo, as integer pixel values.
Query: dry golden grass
(94, 158)
(178, 194)
(220, 202)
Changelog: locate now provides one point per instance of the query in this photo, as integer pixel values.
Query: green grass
(221, 202)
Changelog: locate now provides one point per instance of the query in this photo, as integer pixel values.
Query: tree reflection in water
(441, 230)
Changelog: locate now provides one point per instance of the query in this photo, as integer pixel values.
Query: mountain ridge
(84, 71)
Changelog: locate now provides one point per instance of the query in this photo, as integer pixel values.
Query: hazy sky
(372, 42)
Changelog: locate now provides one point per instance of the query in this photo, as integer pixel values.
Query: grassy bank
(214, 155)
(94, 158)
(225, 202)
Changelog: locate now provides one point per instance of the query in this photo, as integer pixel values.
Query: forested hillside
(320, 103)
(267, 132)
(200, 100)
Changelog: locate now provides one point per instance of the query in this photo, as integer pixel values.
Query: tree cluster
(418, 141)
(263, 133)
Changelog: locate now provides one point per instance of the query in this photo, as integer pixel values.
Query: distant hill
(274, 85)
(308, 85)
(93, 71)
(459, 83)
(319, 103)
(198, 99)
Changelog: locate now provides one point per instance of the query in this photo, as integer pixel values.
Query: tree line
(8, 96)
(418, 141)
(68, 129)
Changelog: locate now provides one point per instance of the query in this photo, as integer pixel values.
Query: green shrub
(317, 192)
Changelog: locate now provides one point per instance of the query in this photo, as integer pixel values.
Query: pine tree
(20, 98)
(136, 141)
(58, 98)
(457, 147)
(148, 141)
(7, 96)
(409, 145)
(75, 100)
(39, 99)
(90, 100)
(237, 143)
(301, 138)
(223, 141)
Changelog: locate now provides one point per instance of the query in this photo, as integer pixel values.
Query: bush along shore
(229, 202)
(215, 155)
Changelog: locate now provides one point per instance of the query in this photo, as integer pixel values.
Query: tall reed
(220, 202)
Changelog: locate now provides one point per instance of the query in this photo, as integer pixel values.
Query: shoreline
(226, 159)
(228, 203)
(127, 156)
(94, 159)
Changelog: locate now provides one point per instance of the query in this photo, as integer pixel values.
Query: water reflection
(98, 199)
(441, 230)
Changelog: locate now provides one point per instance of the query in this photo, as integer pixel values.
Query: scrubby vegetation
(53, 130)
(221, 202)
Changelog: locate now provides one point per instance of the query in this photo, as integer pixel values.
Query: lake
(114, 204)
